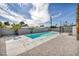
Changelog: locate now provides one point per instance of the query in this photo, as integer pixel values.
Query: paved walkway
(3, 45)
(63, 45)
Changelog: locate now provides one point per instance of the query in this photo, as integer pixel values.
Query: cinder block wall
(22, 31)
(8, 31)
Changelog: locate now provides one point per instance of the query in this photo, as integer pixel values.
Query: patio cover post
(77, 21)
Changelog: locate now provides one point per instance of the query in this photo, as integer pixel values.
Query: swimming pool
(37, 35)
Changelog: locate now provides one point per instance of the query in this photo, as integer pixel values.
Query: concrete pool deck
(62, 45)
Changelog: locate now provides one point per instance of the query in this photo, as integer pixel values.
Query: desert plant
(31, 29)
(16, 27)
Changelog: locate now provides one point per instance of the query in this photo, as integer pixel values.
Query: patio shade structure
(77, 21)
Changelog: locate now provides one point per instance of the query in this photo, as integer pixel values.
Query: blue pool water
(36, 35)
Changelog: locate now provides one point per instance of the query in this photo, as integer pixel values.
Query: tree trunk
(16, 32)
(77, 22)
(1, 33)
(31, 31)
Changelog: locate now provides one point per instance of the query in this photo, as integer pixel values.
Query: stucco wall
(74, 30)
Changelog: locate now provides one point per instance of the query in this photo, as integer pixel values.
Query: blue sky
(60, 12)
(67, 13)
(23, 10)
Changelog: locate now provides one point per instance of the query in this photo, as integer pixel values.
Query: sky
(38, 13)
(66, 12)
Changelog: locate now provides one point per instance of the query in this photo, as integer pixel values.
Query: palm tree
(22, 23)
(7, 23)
(71, 24)
(66, 23)
(77, 21)
(16, 27)
(56, 25)
(1, 28)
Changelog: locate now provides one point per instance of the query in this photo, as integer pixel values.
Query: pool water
(36, 35)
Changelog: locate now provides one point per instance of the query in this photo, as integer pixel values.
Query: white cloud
(39, 12)
(5, 12)
(57, 15)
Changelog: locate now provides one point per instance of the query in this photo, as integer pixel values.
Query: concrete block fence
(8, 31)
